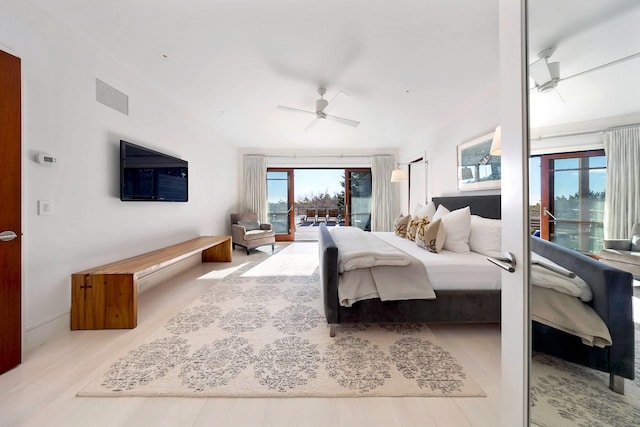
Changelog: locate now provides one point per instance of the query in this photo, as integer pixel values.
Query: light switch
(45, 207)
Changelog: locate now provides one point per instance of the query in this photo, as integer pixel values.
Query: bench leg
(332, 330)
(616, 383)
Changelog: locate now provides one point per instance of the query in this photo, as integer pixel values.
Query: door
(358, 198)
(572, 199)
(280, 212)
(10, 227)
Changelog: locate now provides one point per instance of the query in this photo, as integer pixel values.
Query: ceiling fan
(322, 108)
(546, 75)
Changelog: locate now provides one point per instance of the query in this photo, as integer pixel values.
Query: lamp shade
(399, 175)
(496, 144)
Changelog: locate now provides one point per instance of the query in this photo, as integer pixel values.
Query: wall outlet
(45, 207)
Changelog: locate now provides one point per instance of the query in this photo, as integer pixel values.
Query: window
(572, 199)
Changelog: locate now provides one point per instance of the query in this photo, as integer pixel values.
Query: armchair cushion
(635, 237)
(250, 225)
(617, 244)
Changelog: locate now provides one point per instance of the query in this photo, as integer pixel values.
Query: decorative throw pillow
(429, 211)
(250, 225)
(635, 243)
(431, 236)
(401, 224)
(457, 225)
(412, 228)
(419, 223)
(486, 236)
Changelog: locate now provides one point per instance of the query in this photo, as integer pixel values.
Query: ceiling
(409, 66)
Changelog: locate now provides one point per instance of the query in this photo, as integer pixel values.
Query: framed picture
(477, 168)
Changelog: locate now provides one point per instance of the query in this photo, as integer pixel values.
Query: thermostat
(46, 159)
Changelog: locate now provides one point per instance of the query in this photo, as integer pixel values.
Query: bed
(612, 291)
(450, 306)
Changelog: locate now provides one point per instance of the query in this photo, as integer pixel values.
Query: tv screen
(147, 175)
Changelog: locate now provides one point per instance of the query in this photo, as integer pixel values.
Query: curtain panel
(622, 194)
(383, 198)
(255, 185)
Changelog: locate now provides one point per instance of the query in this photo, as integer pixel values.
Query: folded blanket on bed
(548, 274)
(359, 249)
(569, 314)
(389, 283)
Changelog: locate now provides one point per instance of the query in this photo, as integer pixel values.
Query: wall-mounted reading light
(399, 175)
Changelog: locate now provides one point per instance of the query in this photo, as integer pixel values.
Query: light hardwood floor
(41, 391)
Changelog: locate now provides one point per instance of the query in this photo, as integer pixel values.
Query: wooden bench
(106, 297)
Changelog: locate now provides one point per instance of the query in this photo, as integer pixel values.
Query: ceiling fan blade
(559, 95)
(539, 72)
(347, 122)
(295, 110)
(311, 125)
(331, 104)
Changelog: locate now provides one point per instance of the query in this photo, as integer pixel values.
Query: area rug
(566, 394)
(265, 335)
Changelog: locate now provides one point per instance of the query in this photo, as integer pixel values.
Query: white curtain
(383, 199)
(622, 196)
(255, 185)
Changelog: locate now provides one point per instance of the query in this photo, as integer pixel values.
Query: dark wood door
(280, 210)
(10, 252)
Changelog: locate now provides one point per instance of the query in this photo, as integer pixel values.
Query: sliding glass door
(573, 189)
(358, 198)
(280, 203)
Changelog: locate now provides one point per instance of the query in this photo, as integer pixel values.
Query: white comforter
(358, 249)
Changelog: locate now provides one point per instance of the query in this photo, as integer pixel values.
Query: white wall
(440, 146)
(90, 226)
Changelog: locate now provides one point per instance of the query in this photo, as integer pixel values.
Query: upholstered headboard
(488, 206)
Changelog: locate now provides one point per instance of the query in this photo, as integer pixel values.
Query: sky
(307, 182)
(563, 187)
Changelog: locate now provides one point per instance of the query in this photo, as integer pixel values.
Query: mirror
(584, 78)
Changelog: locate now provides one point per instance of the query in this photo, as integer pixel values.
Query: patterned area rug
(565, 394)
(260, 331)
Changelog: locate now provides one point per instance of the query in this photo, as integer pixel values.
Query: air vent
(112, 97)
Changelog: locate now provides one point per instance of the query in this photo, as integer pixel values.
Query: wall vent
(112, 97)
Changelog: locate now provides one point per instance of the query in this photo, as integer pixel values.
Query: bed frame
(449, 307)
(612, 291)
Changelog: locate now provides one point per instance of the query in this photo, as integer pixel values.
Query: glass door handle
(546, 212)
(7, 236)
(506, 262)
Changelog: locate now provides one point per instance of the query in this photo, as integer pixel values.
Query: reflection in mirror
(584, 124)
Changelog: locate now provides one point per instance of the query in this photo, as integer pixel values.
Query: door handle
(506, 262)
(546, 212)
(7, 236)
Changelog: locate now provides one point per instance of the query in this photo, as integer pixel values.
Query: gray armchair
(248, 232)
(624, 253)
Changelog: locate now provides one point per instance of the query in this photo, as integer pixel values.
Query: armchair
(624, 253)
(248, 232)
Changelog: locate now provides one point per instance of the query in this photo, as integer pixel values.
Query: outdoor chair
(322, 215)
(333, 215)
(310, 216)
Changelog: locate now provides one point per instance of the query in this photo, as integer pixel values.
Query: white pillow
(426, 211)
(457, 225)
(486, 236)
(546, 278)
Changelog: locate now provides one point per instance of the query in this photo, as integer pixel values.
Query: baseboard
(46, 330)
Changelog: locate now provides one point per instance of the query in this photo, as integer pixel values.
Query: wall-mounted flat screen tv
(148, 175)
